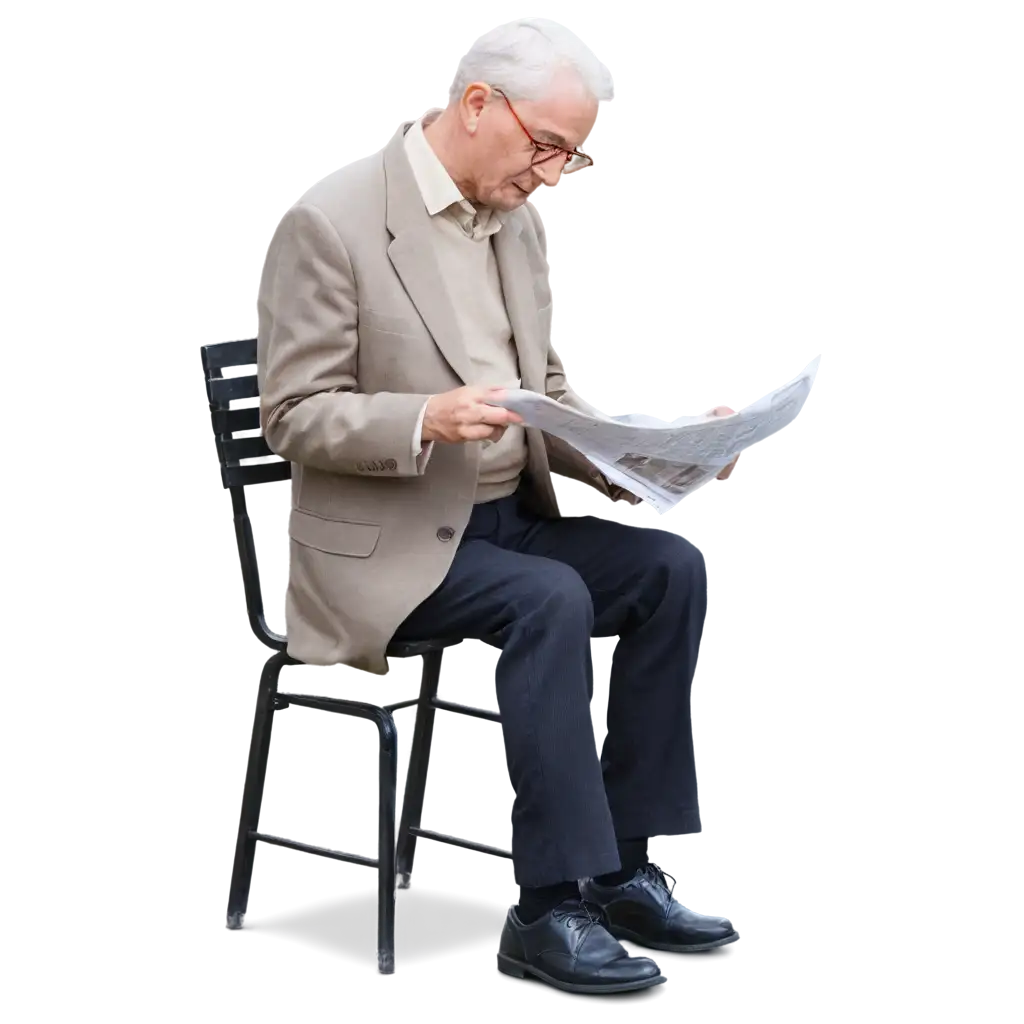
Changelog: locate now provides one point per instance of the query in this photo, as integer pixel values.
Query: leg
(649, 588)
(540, 615)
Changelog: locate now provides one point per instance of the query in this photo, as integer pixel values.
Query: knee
(678, 558)
(558, 594)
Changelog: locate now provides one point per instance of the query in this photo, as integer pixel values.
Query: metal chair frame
(392, 864)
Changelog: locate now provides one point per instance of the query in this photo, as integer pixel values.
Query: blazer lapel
(520, 299)
(411, 253)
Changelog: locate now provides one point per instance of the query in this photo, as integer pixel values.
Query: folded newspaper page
(658, 461)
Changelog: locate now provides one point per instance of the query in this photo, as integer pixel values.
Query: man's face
(503, 172)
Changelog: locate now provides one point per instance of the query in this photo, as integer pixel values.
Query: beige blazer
(356, 330)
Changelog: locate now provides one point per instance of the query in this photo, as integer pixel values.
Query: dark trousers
(540, 589)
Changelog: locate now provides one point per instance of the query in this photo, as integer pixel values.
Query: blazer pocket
(333, 536)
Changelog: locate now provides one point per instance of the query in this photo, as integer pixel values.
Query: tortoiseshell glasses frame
(574, 159)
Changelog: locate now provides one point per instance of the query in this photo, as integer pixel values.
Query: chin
(512, 197)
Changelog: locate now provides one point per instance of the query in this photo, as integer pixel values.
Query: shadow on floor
(437, 932)
(443, 937)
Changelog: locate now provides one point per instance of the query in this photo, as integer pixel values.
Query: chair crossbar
(462, 709)
(466, 844)
(319, 851)
(261, 473)
(229, 353)
(229, 421)
(243, 448)
(228, 389)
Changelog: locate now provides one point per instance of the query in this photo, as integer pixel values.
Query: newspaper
(663, 462)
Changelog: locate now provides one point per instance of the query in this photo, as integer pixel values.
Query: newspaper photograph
(658, 461)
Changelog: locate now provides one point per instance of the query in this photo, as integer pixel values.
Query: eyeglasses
(546, 151)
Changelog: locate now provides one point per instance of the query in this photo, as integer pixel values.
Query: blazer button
(445, 533)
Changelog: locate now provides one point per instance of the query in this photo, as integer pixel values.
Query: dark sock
(536, 901)
(633, 856)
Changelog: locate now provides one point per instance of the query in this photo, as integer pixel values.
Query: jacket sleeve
(311, 409)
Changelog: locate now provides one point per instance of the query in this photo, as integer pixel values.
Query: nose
(550, 171)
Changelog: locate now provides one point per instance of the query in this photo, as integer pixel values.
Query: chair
(237, 473)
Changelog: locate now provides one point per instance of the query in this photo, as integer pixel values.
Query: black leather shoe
(570, 948)
(642, 910)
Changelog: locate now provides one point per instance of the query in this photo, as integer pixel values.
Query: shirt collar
(438, 190)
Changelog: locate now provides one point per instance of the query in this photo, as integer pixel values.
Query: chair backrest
(233, 452)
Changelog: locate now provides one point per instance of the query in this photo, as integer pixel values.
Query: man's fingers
(485, 395)
(724, 475)
(721, 410)
(496, 394)
(493, 414)
(480, 432)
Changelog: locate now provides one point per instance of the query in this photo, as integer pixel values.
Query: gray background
(141, 156)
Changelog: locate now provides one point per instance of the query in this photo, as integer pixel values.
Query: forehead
(564, 117)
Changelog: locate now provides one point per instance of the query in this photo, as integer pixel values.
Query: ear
(474, 99)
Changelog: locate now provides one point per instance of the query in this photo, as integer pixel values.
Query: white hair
(522, 57)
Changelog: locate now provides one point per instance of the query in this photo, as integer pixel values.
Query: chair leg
(386, 843)
(419, 757)
(252, 795)
(403, 726)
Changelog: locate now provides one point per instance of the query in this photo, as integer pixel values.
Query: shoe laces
(656, 875)
(581, 910)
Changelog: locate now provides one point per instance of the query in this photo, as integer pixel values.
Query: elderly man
(399, 296)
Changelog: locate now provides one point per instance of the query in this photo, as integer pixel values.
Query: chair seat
(399, 650)
(416, 648)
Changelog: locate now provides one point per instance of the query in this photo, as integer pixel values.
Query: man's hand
(464, 415)
(723, 410)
